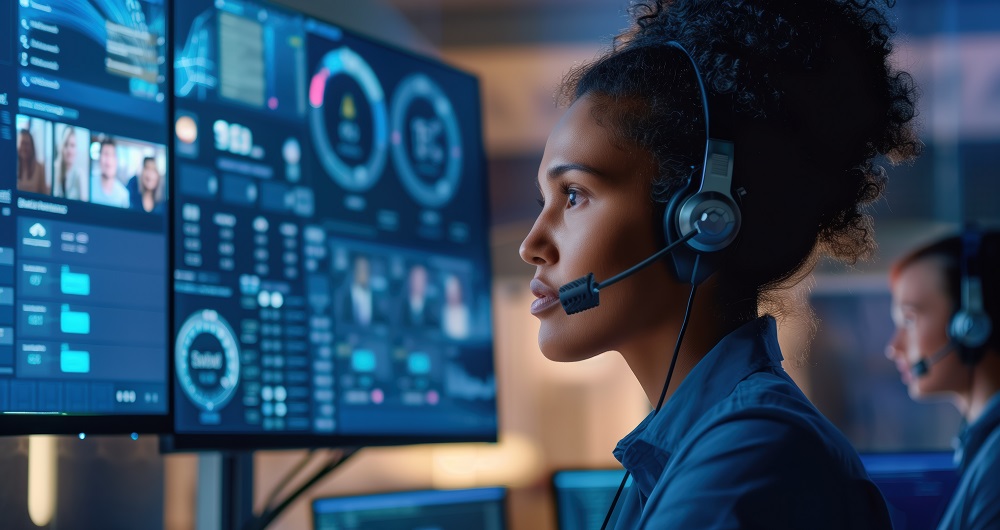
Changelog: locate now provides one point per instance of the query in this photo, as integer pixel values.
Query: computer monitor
(583, 497)
(916, 486)
(83, 218)
(331, 271)
(480, 508)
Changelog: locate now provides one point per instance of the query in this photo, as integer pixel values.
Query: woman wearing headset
(802, 97)
(946, 306)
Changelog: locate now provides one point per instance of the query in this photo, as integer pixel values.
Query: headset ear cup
(970, 330)
(971, 326)
(681, 258)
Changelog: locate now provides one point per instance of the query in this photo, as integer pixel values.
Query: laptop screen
(413, 510)
(916, 486)
(583, 497)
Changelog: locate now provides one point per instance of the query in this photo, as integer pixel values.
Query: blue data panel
(83, 215)
(331, 270)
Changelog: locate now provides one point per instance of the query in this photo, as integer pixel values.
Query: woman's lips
(545, 297)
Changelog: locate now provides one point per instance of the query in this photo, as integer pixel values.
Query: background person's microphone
(584, 293)
(921, 367)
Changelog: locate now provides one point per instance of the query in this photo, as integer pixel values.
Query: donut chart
(426, 141)
(334, 142)
(207, 360)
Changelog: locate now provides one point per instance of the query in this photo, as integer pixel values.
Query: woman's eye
(571, 197)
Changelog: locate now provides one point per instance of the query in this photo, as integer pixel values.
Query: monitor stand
(225, 490)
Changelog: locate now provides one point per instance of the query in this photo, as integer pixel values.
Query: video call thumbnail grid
(74, 163)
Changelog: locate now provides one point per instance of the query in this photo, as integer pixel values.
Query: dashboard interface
(331, 269)
(83, 216)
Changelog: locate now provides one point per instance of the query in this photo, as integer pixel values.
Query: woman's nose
(537, 248)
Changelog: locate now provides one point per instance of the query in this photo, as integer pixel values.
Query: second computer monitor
(331, 269)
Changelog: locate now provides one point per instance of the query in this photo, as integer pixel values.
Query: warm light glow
(43, 454)
(515, 461)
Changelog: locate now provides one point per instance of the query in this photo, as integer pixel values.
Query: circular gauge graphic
(348, 120)
(426, 145)
(207, 360)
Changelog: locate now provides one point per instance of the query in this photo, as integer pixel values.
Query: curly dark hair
(804, 89)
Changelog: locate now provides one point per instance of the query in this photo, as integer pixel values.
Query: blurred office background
(556, 416)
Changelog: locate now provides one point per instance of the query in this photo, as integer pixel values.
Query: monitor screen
(83, 216)
(481, 508)
(583, 497)
(331, 268)
(916, 486)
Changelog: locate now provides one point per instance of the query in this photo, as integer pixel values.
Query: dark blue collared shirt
(976, 502)
(739, 446)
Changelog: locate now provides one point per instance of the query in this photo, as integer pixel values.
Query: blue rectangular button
(363, 361)
(419, 363)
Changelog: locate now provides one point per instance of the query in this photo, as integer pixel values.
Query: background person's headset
(971, 326)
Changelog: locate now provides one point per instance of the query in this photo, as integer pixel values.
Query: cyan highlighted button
(76, 322)
(419, 363)
(74, 282)
(74, 362)
(363, 361)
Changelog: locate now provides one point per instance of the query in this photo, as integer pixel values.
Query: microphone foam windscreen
(579, 295)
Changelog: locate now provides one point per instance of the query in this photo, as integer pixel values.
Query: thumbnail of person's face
(453, 290)
(69, 149)
(150, 176)
(109, 161)
(418, 282)
(361, 272)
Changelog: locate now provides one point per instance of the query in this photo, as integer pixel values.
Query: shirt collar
(646, 450)
(974, 435)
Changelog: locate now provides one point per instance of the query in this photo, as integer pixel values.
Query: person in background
(105, 188)
(360, 303)
(30, 172)
(145, 189)
(802, 96)
(946, 308)
(421, 309)
(69, 181)
(456, 312)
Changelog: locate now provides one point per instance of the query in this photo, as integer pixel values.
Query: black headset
(971, 326)
(706, 204)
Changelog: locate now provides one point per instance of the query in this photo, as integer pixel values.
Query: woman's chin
(563, 351)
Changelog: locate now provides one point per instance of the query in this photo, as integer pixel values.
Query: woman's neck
(649, 356)
(985, 384)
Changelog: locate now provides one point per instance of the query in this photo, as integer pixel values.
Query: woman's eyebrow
(560, 169)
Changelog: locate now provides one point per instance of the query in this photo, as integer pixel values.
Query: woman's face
(921, 310)
(25, 146)
(597, 217)
(69, 149)
(150, 176)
